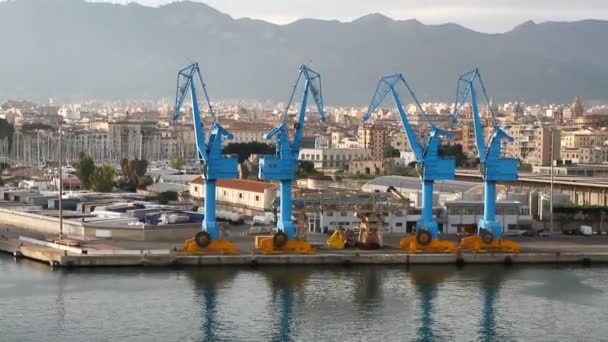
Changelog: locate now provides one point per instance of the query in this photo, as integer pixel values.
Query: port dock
(555, 250)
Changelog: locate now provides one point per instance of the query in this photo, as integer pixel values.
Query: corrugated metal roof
(162, 187)
(415, 183)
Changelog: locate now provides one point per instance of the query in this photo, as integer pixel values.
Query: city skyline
(496, 17)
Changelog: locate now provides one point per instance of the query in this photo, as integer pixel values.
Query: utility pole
(551, 191)
(60, 182)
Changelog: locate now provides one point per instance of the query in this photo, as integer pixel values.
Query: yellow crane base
(475, 244)
(411, 245)
(295, 246)
(219, 246)
(337, 240)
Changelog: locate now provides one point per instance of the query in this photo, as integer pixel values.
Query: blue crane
(430, 166)
(214, 165)
(282, 166)
(493, 167)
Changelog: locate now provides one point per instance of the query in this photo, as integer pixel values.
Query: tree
(306, 168)
(85, 170)
(133, 173)
(143, 182)
(141, 167)
(167, 196)
(6, 131)
(36, 126)
(178, 163)
(102, 180)
(391, 152)
(245, 150)
(124, 167)
(407, 171)
(456, 152)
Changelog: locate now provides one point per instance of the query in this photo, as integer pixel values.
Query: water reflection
(491, 279)
(490, 283)
(368, 287)
(426, 281)
(60, 302)
(206, 284)
(284, 284)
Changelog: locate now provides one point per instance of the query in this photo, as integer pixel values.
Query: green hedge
(573, 209)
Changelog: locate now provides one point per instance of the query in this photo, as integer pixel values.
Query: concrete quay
(386, 256)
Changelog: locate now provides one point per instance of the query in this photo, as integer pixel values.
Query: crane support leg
(489, 236)
(209, 223)
(286, 239)
(285, 224)
(427, 231)
(208, 240)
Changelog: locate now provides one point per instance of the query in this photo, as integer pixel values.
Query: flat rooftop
(415, 183)
(601, 181)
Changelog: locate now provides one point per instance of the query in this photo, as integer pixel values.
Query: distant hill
(72, 49)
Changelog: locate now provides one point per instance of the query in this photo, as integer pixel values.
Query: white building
(239, 193)
(333, 157)
(463, 216)
(341, 140)
(69, 113)
(407, 157)
(411, 188)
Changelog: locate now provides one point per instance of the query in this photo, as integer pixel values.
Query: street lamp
(551, 191)
(60, 131)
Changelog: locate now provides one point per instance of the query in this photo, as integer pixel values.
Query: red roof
(239, 184)
(71, 181)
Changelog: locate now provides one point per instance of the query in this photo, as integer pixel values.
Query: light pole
(60, 181)
(551, 191)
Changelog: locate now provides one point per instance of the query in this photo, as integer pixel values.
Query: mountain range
(72, 49)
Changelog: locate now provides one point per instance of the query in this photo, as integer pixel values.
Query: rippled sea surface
(433, 303)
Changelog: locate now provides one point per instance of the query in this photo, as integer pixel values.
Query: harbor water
(432, 303)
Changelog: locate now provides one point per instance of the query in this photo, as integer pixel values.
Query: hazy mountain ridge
(75, 49)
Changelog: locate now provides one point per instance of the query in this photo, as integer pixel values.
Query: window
(240, 195)
(399, 224)
(196, 189)
(257, 198)
(343, 213)
(224, 193)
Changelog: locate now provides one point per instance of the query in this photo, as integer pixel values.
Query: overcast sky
(481, 15)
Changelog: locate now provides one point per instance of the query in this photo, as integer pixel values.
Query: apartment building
(375, 138)
(368, 167)
(333, 157)
(532, 144)
(583, 138)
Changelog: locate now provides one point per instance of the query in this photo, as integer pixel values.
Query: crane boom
(492, 165)
(282, 166)
(214, 165)
(431, 166)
